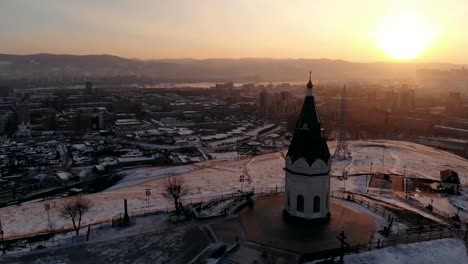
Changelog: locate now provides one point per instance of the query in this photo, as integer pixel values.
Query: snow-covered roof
(64, 176)
(134, 159)
(452, 128)
(127, 122)
(99, 167)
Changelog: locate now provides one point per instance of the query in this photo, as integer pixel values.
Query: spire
(310, 85)
(307, 141)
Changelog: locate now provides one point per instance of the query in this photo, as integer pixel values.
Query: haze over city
(360, 31)
(233, 132)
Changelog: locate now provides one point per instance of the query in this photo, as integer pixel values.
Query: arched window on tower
(316, 204)
(300, 203)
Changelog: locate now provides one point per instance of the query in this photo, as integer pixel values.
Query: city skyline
(349, 30)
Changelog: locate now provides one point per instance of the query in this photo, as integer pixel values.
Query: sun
(404, 37)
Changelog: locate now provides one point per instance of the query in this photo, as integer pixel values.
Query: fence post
(88, 232)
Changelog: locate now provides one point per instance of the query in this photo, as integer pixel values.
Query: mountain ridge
(16, 67)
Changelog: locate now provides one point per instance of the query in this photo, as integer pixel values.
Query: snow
(452, 128)
(210, 178)
(227, 141)
(402, 204)
(213, 137)
(460, 201)
(139, 175)
(429, 252)
(64, 176)
(399, 157)
(134, 159)
(224, 155)
(258, 130)
(445, 205)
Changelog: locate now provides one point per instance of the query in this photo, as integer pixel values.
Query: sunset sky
(335, 29)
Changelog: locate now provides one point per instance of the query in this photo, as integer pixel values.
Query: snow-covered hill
(217, 176)
(448, 250)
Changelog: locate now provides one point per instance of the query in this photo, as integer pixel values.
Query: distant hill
(175, 70)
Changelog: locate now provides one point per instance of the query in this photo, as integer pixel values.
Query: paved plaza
(264, 224)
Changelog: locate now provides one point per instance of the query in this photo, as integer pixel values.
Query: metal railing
(411, 238)
(364, 202)
(28, 243)
(379, 244)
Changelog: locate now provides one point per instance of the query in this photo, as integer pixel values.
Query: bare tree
(74, 209)
(175, 188)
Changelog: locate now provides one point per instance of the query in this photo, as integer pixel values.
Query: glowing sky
(336, 29)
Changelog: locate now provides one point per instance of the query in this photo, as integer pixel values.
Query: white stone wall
(308, 187)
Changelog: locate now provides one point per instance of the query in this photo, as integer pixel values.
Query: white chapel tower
(308, 165)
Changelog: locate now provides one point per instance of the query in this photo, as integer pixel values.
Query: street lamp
(3, 242)
(383, 159)
(47, 208)
(345, 177)
(404, 182)
(148, 193)
(241, 180)
(370, 173)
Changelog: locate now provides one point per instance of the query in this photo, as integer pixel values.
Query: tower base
(299, 220)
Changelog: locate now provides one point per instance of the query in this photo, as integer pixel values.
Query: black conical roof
(308, 118)
(308, 145)
(307, 141)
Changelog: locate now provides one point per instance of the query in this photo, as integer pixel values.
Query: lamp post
(404, 181)
(383, 159)
(148, 193)
(3, 242)
(241, 180)
(345, 177)
(47, 209)
(370, 173)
